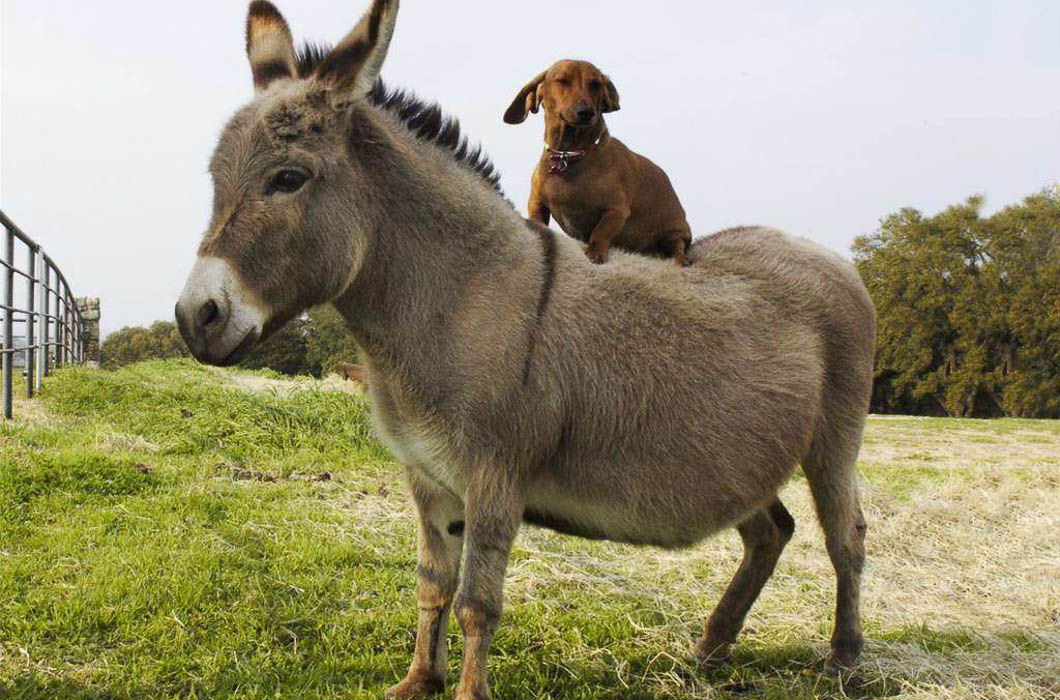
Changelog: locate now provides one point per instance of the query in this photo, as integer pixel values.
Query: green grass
(164, 534)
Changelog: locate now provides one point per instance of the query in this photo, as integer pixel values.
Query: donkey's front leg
(441, 536)
(493, 510)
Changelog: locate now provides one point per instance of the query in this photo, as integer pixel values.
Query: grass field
(170, 531)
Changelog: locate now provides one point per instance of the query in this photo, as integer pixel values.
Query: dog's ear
(528, 100)
(610, 101)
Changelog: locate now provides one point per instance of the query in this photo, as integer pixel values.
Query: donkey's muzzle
(217, 318)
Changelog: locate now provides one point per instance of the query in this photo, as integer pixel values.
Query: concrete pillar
(89, 308)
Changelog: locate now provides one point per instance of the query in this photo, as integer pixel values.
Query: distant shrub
(329, 344)
(284, 351)
(315, 344)
(135, 343)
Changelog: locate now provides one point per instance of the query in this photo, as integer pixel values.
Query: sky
(818, 117)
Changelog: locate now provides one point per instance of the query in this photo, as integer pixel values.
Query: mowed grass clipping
(175, 531)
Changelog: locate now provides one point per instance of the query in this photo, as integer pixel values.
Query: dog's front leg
(606, 229)
(538, 212)
(492, 512)
(440, 519)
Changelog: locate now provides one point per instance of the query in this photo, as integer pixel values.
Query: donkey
(514, 380)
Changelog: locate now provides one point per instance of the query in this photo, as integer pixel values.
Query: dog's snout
(584, 112)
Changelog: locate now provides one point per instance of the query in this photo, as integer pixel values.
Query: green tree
(1030, 273)
(316, 344)
(136, 343)
(968, 309)
(328, 342)
(284, 351)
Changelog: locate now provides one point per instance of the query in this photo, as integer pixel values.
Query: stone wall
(89, 308)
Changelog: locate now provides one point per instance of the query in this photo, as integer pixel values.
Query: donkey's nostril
(208, 313)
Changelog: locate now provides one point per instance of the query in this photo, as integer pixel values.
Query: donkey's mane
(424, 119)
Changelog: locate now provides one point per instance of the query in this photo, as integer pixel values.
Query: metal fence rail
(53, 330)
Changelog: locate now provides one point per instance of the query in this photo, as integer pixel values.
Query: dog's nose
(584, 112)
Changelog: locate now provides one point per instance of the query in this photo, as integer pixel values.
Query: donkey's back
(689, 396)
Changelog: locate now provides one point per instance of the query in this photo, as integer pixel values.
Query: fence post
(9, 303)
(46, 310)
(42, 319)
(70, 335)
(79, 323)
(31, 317)
(75, 323)
(58, 321)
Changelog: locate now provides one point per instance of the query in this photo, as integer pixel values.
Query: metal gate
(49, 324)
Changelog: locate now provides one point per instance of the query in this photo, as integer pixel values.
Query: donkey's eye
(287, 181)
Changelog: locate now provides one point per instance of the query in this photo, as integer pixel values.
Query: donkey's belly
(601, 514)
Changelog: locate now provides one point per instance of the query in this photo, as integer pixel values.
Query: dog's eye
(563, 81)
(595, 84)
(287, 181)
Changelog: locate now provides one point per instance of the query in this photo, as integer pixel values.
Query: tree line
(968, 309)
(315, 344)
(968, 315)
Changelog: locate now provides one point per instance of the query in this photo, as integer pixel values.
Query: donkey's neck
(440, 233)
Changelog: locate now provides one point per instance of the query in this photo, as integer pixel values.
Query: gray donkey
(517, 382)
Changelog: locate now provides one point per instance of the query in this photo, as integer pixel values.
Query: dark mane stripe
(424, 119)
(548, 272)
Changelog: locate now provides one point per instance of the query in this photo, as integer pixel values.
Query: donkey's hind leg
(829, 469)
(764, 535)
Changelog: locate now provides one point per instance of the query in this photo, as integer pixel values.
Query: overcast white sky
(815, 116)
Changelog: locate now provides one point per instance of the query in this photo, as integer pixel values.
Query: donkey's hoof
(843, 659)
(416, 686)
(472, 691)
(476, 695)
(713, 654)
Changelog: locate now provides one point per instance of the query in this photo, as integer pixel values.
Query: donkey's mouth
(241, 350)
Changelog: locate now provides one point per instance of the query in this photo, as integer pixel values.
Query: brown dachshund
(599, 191)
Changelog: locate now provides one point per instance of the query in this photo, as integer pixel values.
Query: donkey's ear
(610, 102)
(353, 65)
(269, 45)
(528, 100)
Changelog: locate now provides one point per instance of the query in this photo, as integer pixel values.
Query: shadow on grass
(773, 672)
(305, 662)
